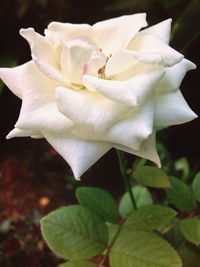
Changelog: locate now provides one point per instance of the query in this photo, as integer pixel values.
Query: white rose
(90, 88)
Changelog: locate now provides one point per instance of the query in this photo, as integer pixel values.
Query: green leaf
(142, 249)
(113, 229)
(74, 232)
(181, 195)
(191, 230)
(142, 197)
(78, 264)
(183, 166)
(98, 201)
(196, 186)
(149, 218)
(152, 177)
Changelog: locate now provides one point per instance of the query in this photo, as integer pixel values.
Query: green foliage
(151, 176)
(112, 231)
(173, 233)
(191, 230)
(142, 197)
(181, 26)
(78, 264)
(182, 165)
(181, 195)
(80, 232)
(98, 201)
(196, 186)
(141, 248)
(150, 218)
(77, 233)
(74, 232)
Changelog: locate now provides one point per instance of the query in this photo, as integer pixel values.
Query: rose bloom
(90, 88)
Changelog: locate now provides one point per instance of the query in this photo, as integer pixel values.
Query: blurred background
(34, 179)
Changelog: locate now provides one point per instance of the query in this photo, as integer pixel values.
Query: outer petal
(12, 77)
(89, 109)
(149, 43)
(171, 109)
(174, 75)
(161, 29)
(43, 54)
(147, 151)
(129, 92)
(68, 31)
(129, 131)
(115, 34)
(39, 111)
(80, 154)
(21, 133)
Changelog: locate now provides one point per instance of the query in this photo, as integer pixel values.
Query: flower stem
(123, 169)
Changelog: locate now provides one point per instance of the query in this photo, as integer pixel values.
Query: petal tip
(23, 32)
(8, 136)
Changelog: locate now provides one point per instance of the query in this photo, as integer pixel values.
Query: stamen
(101, 71)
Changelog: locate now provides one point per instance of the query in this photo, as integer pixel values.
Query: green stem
(123, 169)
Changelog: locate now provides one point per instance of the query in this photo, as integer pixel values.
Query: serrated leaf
(149, 218)
(152, 177)
(142, 198)
(98, 201)
(142, 249)
(196, 186)
(78, 264)
(74, 232)
(181, 195)
(191, 230)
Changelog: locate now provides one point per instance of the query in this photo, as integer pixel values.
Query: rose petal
(21, 133)
(39, 111)
(147, 150)
(68, 31)
(174, 75)
(118, 91)
(43, 54)
(123, 60)
(130, 130)
(130, 92)
(87, 108)
(172, 109)
(12, 77)
(115, 34)
(161, 29)
(80, 56)
(149, 43)
(80, 154)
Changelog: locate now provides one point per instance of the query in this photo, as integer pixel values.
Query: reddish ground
(30, 183)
